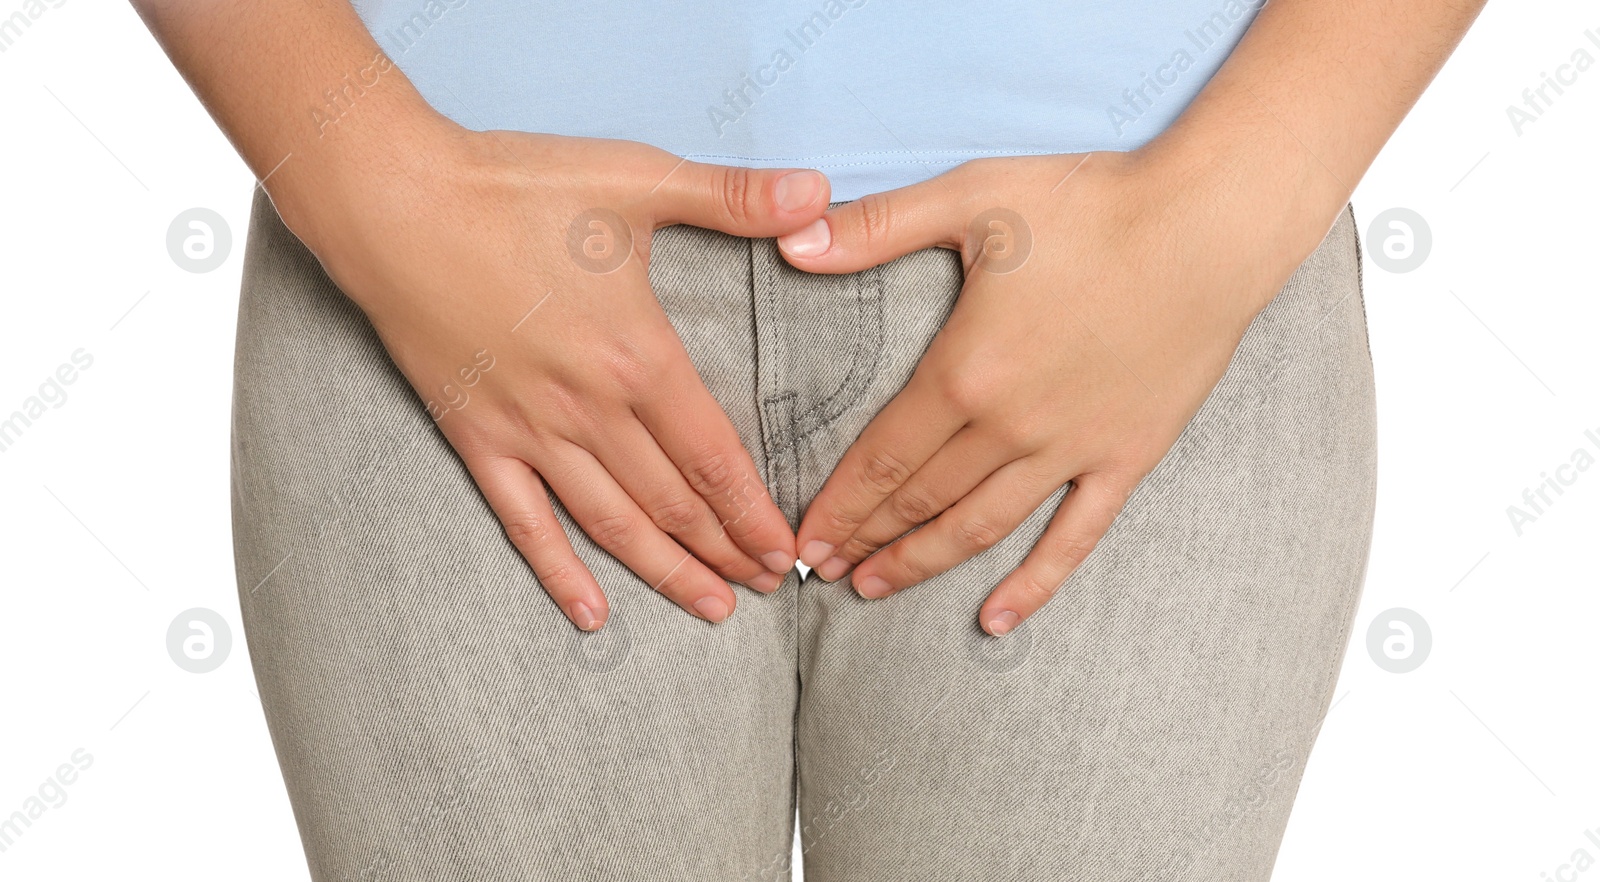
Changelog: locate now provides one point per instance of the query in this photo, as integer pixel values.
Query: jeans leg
(1154, 720)
(435, 716)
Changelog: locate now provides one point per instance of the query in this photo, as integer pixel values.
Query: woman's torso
(874, 93)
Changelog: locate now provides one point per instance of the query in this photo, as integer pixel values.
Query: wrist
(1271, 199)
(333, 180)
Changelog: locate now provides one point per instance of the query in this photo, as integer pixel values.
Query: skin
(1084, 364)
(550, 366)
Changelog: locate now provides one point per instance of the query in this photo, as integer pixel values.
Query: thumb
(750, 202)
(876, 229)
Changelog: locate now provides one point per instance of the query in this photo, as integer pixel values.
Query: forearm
(1300, 109)
(301, 90)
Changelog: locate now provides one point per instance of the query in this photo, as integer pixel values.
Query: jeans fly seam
(866, 356)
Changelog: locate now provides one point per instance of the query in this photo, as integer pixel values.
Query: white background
(1480, 765)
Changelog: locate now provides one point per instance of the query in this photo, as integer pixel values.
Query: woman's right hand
(506, 275)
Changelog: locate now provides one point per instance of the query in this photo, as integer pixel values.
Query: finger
(751, 202)
(982, 518)
(694, 432)
(636, 462)
(961, 465)
(1085, 515)
(900, 439)
(520, 501)
(878, 228)
(614, 521)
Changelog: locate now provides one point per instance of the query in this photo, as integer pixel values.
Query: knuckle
(537, 434)
(527, 531)
(676, 582)
(966, 392)
(838, 523)
(563, 421)
(738, 194)
(883, 472)
(625, 366)
(913, 507)
(556, 575)
(1069, 551)
(972, 381)
(713, 476)
(977, 535)
(613, 532)
(1034, 590)
(909, 567)
(474, 442)
(980, 169)
(561, 393)
(1018, 432)
(743, 498)
(856, 549)
(876, 217)
(676, 516)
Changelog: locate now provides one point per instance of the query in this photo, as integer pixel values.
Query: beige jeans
(436, 717)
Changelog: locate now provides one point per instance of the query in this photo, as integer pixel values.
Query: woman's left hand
(1105, 294)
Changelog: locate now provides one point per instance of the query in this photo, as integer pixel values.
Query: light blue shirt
(877, 94)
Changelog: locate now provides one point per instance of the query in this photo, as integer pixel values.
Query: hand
(1079, 361)
(529, 329)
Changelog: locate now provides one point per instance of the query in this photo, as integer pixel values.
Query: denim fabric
(436, 718)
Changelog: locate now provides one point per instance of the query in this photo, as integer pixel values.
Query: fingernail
(871, 587)
(711, 609)
(815, 552)
(584, 617)
(766, 583)
(778, 562)
(1001, 623)
(832, 568)
(796, 190)
(809, 242)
